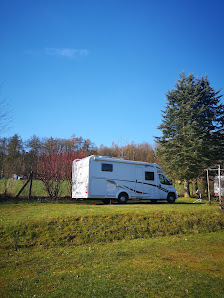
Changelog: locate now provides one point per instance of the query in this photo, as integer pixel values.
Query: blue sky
(100, 69)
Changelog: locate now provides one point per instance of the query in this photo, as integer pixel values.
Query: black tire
(171, 198)
(122, 198)
(153, 201)
(106, 201)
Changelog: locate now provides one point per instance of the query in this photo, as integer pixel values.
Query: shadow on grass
(96, 202)
(141, 202)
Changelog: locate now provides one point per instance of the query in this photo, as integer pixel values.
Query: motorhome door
(163, 186)
(138, 181)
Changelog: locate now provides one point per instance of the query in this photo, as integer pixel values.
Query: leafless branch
(5, 114)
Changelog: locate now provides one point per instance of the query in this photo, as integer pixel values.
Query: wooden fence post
(29, 180)
(209, 195)
(220, 196)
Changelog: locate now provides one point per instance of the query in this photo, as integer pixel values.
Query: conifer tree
(192, 128)
(13, 161)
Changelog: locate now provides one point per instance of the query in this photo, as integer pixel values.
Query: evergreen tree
(13, 161)
(3, 152)
(34, 150)
(191, 128)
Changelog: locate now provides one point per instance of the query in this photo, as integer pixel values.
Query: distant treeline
(20, 157)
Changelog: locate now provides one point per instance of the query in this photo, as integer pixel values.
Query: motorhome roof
(122, 160)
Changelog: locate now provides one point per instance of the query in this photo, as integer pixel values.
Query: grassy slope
(169, 266)
(25, 225)
(174, 266)
(14, 213)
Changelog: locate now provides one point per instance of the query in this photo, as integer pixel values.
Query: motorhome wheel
(122, 198)
(171, 198)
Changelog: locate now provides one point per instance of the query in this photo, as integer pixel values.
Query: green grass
(38, 188)
(24, 225)
(173, 266)
(15, 213)
(87, 249)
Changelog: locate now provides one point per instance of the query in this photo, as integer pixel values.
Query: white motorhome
(115, 178)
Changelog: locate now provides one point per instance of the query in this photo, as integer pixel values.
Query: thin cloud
(66, 52)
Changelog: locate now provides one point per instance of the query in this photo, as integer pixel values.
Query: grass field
(176, 266)
(86, 249)
(38, 189)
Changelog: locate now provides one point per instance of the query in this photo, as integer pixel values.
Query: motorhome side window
(163, 179)
(106, 167)
(149, 176)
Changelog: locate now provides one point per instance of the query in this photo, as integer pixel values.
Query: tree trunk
(186, 189)
(204, 186)
(195, 187)
(5, 187)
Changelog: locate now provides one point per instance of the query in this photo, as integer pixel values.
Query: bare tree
(55, 168)
(140, 152)
(5, 118)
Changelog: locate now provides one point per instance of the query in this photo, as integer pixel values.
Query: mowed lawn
(190, 263)
(172, 266)
(14, 213)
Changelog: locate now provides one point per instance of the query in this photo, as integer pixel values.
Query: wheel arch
(123, 197)
(172, 193)
(122, 192)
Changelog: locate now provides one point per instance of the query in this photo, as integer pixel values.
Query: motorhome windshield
(164, 180)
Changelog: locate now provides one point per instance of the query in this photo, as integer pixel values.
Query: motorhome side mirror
(171, 182)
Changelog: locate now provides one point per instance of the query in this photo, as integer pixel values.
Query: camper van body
(216, 185)
(114, 178)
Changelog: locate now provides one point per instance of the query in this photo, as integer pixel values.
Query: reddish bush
(55, 168)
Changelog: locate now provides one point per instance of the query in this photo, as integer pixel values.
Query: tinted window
(149, 176)
(164, 180)
(107, 167)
